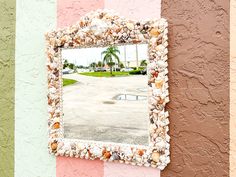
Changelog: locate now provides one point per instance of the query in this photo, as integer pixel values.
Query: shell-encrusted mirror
(108, 87)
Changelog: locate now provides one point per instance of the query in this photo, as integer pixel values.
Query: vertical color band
(7, 81)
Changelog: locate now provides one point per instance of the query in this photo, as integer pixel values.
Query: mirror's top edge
(100, 46)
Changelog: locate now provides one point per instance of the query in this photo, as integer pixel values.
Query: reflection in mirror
(105, 94)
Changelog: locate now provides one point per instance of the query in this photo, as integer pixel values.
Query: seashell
(56, 125)
(96, 151)
(73, 146)
(155, 74)
(152, 80)
(140, 152)
(153, 41)
(161, 63)
(67, 147)
(61, 152)
(115, 156)
(161, 101)
(54, 146)
(155, 156)
(87, 156)
(154, 32)
(71, 154)
(107, 155)
(158, 83)
(60, 145)
(130, 26)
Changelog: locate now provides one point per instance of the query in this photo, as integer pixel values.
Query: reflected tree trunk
(136, 46)
(125, 56)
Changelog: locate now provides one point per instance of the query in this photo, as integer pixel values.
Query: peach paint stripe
(73, 167)
(68, 13)
(232, 88)
(137, 10)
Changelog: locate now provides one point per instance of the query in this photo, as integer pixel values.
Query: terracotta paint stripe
(75, 167)
(138, 10)
(7, 84)
(68, 13)
(33, 19)
(199, 87)
(232, 88)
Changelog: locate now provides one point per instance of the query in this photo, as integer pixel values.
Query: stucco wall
(232, 88)
(199, 87)
(33, 19)
(7, 67)
(68, 13)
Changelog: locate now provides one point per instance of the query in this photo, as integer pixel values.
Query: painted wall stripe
(139, 9)
(7, 82)
(33, 19)
(123, 170)
(199, 87)
(73, 167)
(68, 13)
(136, 9)
(232, 88)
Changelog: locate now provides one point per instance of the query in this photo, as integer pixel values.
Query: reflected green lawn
(105, 74)
(68, 81)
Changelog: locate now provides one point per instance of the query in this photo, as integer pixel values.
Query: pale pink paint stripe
(73, 167)
(136, 9)
(123, 170)
(70, 11)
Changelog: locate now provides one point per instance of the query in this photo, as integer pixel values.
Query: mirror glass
(105, 94)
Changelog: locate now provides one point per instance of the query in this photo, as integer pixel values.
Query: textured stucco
(7, 61)
(33, 19)
(139, 10)
(123, 170)
(232, 88)
(75, 167)
(136, 9)
(199, 87)
(68, 13)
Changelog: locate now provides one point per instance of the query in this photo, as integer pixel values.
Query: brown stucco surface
(199, 87)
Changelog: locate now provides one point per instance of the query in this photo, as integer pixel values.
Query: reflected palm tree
(143, 63)
(111, 56)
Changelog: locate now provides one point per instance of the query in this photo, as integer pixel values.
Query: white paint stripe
(33, 19)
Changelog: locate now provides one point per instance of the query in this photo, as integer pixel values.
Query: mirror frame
(98, 29)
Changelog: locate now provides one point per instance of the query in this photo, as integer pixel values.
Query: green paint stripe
(7, 86)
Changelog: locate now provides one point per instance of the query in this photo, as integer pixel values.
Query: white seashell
(161, 63)
(52, 90)
(130, 26)
(96, 151)
(67, 147)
